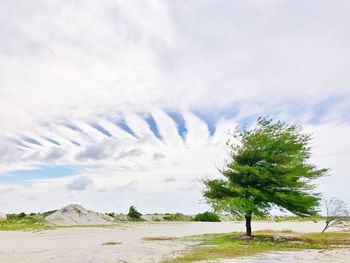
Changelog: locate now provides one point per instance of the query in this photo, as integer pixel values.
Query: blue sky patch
(153, 126)
(101, 129)
(19, 143)
(31, 140)
(180, 123)
(73, 127)
(43, 172)
(321, 108)
(52, 141)
(75, 143)
(122, 124)
(211, 117)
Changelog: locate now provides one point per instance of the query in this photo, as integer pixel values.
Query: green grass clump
(221, 246)
(207, 217)
(23, 222)
(36, 222)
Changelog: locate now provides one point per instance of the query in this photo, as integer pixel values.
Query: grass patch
(113, 225)
(36, 222)
(329, 238)
(271, 231)
(23, 222)
(223, 246)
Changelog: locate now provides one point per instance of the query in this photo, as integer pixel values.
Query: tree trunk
(325, 228)
(248, 220)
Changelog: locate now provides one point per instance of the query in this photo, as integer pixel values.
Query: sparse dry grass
(329, 238)
(111, 243)
(159, 238)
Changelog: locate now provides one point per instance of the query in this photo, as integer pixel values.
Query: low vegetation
(23, 222)
(133, 214)
(207, 217)
(223, 246)
(34, 222)
(159, 238)
(176, 217)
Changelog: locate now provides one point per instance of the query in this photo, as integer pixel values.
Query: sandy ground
(77, 215)
(319, 256)
(84, 245)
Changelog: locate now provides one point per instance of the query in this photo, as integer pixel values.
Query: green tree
(268, 167)
(134, 214)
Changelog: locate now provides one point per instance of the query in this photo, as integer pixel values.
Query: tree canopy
(268, 166)
(134, 214)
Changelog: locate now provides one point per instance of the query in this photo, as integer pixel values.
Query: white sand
(77, 215)
(319, 256)
(84, 245)
(3, 217)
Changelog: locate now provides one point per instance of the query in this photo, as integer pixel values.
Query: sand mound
(77, 215)
(3, 217)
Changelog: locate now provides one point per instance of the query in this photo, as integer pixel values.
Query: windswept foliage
(134, 214)
(268, 166)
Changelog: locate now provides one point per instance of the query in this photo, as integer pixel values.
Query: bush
(207, 217)
(134, 214)
(111, 214)
(172, 217)
(22, 215)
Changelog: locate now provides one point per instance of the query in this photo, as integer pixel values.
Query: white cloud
(68, 65)
(331, 150)
(79, 183)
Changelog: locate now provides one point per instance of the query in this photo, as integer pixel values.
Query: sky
(116, 103)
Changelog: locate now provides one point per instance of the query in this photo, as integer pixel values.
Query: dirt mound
(77, 215)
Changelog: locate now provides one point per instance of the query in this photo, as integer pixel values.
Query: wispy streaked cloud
(138, 96)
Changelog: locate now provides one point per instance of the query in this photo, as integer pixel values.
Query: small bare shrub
(336, 213)
(111, 243)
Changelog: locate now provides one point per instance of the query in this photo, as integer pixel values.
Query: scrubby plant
(134, 214)
(336, 213)
(78, 211)
(177, 217)
(172, 217)
(112, 214)
(22, 215)
(207, 217)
